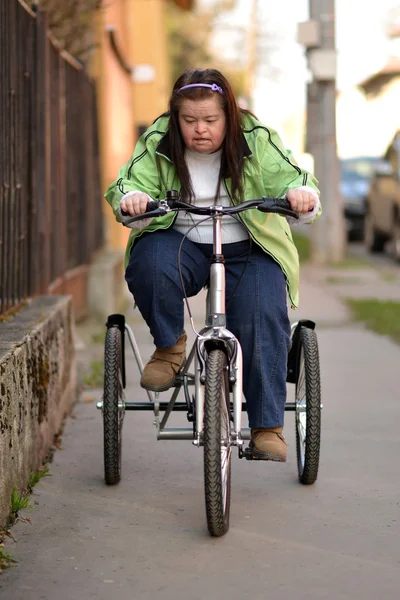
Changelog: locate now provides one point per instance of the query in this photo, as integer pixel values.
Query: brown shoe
(159, 373)
(268, 444)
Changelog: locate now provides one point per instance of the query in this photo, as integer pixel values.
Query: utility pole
(252, 52)
(328, 234)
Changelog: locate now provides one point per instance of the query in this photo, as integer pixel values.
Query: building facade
(132, 70)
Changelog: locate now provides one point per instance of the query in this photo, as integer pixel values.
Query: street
(147, 536)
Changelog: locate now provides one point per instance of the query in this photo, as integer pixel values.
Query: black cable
(245, 264)
(179, 263)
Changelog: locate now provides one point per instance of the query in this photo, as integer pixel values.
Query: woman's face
(203, 124)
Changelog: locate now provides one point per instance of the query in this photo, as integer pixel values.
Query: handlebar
(280, 206)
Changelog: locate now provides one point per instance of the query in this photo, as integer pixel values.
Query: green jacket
(269, 170)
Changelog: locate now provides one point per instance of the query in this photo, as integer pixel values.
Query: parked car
(355, 179)
(382, 221)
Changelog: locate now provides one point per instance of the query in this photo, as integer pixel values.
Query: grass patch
(99, 338)
(353, 262)
(380, 316)
(6, 560)
(18, 502)
(339, 280)
(36, 477)
(388, 276)
(95, 378)
(304, 248)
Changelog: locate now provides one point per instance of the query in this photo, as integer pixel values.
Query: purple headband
(213, 86)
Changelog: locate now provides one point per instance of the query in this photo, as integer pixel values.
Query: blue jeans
(257, 314)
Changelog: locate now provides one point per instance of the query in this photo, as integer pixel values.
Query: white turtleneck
(204, 171)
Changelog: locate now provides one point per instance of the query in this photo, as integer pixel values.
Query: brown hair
(232, 156)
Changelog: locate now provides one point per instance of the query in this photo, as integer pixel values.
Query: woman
(212, 151)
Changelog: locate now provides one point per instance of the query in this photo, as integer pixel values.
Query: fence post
(62, 192)
(43, 157)
(50, 203)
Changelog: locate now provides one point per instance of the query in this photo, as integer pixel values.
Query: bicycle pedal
(248, 454)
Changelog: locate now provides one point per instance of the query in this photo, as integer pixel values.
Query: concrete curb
(37, 388)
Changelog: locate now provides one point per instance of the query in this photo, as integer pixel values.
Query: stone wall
(37, 388)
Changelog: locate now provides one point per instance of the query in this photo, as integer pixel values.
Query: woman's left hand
(301, 201)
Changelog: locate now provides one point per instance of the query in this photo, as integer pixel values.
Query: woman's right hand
(135, 204)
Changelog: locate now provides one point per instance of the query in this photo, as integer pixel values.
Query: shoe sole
(258, 455)
(156, 388)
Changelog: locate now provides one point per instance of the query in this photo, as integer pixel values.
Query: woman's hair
(232, 154)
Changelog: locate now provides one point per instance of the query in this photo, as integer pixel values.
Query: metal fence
(50, 198)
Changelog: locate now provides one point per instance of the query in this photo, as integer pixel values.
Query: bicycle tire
(308, 408)
(112, 405)
(217, 455)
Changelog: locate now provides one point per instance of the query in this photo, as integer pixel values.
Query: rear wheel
(217, 444)
(113, 405)
(308, 407)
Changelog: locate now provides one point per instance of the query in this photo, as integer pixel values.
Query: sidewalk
(146, 538)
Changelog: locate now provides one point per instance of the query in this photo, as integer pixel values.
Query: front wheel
(308, 407)
(113, 405)
(217, 443)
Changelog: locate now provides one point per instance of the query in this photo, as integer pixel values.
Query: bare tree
(72, 21)
(189, 41)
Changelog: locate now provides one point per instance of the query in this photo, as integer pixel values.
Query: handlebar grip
(283, 203)
(153, 209)
(152, 205)
(281, 206)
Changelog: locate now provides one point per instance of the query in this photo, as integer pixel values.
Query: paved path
(146, 538)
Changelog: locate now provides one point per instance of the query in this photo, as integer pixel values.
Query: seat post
(216, 293)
